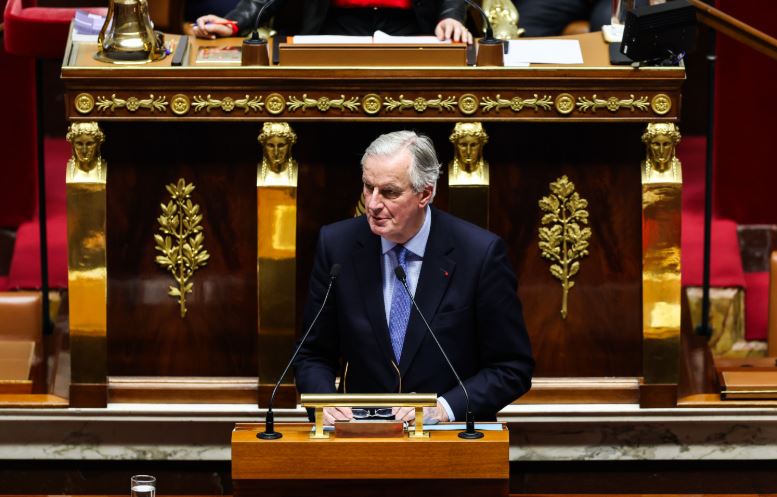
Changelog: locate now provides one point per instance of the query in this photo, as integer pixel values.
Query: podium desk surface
(441, 456)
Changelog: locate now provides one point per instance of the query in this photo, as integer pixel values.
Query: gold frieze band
(613, 104)
(132, 104)
(228, 104)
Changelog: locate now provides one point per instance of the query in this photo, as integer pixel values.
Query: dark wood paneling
(146, 334)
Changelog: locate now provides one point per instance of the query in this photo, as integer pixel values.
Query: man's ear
(426, 196)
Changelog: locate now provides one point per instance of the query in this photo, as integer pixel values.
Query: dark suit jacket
(466, 290)
(428, 12)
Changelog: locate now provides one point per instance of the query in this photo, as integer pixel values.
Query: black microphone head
(400, 273)
(334, 272)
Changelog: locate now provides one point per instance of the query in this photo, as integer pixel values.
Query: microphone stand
(469, 433)
(254, 51)
(269, 432)
(490, 50)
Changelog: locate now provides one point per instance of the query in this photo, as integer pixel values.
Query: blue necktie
(400, 306)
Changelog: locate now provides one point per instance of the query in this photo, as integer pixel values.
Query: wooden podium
(297, 465)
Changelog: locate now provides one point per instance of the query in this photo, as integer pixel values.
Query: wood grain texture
(442, 456)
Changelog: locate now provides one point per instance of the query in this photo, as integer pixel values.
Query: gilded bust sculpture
(278, 168)
(468, 166)
(661, 165)
(86, 164)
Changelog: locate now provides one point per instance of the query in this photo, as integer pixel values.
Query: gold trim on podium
(86, 269)
(468, 174)
(661, 282)
(276, 202)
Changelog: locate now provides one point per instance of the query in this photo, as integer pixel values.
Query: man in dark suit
(443, 18)
(370, 334)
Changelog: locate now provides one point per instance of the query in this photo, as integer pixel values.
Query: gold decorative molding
(565, 103)
(228, 104)
(322, 103)
(516, 104)
(661, 104)
(275, 103)
(181, 240)
(420, 104)
(371, 103)
(613, 104)
(180, 104)
(562, 240)
(132, 104)
(84, 103)
(468, 104)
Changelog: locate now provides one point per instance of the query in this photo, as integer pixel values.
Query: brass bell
(128, 35)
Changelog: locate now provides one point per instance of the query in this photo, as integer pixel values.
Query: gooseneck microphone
(255, 31)
(469, 433)
(269, 432)
(488, 35)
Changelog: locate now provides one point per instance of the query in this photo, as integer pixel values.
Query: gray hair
(424, 166)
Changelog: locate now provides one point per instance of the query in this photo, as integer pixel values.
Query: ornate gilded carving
(180, 104)
(661, 104)
(86, 165)
(277, 168)
(613, 104)
(565, 103)
(420, 104)
(322, 103)
(504, 18)
(661, 165)
(132, 104)
(468, 166)
(360, 208)
(228, 104)
(275, 103)
(562, 240)
(84, 103)
(516, 104)
(468, 104)
(371, 103)
(181, 240)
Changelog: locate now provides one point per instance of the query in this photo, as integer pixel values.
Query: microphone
(269, 432)
(254, 51)
(255, 32)
(488, 36)
(469, 433)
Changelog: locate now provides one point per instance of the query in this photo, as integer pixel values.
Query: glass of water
(143, 486)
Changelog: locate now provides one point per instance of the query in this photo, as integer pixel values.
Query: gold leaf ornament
(180, 240)
(562, 239)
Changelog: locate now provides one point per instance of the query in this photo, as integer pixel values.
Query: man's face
(394, 210)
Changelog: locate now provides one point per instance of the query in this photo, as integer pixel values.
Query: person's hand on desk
(451, 29)
(432, 415)
(332, 414)
(211, 26)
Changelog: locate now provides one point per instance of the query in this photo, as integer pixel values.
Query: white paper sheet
(521, 52)
(331, 40)
(381, 37)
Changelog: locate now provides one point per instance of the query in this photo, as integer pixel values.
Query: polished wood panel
(582, 391)
(146, 334)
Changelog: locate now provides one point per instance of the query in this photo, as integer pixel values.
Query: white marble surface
(538, 432)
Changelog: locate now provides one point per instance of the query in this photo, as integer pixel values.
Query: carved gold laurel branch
(181, 240)
(322, 103)
(228, 104)
(613, 104)
(562, 240)
(420, 104)
(132, 104)
(516, 104)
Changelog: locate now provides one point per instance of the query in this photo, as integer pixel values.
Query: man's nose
(372, 200)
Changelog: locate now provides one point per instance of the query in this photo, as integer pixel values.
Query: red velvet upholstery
(36, 31)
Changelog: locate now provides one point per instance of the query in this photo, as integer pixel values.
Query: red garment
(392, 4)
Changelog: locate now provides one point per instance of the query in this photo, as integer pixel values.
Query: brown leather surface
(20, 315)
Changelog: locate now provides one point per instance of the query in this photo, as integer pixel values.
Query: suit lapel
(367, 261)
(436, 272)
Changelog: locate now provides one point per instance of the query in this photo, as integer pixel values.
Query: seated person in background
(369, 333)
(550, 17)
(443, 18)
(197, 8)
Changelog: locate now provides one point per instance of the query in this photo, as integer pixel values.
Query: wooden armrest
(772, 320)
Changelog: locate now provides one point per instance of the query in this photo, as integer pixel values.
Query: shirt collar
(416, 244)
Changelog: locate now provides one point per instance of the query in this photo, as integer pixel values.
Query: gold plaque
(468, 104)
(275, 103)
(371, 104)
(84, 103)
(180, 104)
(565, 103)
(661, 104)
